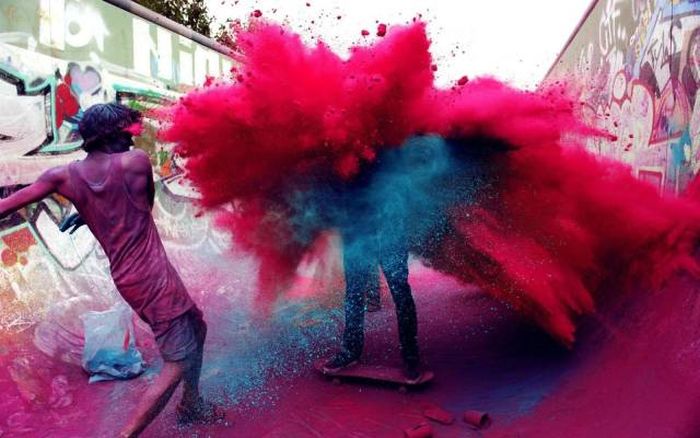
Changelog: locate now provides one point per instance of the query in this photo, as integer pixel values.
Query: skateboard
(375, 373)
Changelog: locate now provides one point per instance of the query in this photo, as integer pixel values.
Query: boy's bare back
(138, 175)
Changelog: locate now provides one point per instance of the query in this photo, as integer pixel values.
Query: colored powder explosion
(484, 182)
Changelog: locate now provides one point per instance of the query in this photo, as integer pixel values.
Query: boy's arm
(47, 183)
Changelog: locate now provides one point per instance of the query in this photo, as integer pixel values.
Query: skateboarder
(113, 190)
(378, 237)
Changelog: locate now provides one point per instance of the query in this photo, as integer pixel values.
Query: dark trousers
(372, 288)
(361, 267)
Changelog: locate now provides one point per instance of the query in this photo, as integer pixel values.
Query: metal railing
(143, 12)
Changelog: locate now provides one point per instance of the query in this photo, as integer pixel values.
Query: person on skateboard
(376, 238)
(113, 191)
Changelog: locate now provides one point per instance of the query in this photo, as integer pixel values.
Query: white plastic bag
(110, 348)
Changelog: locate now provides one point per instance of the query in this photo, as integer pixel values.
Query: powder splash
(483, 181)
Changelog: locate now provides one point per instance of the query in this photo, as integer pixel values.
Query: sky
(514, 40)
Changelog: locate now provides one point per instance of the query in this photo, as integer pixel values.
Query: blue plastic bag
(110, 348)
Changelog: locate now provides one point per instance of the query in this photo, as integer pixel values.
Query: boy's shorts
(181, 338)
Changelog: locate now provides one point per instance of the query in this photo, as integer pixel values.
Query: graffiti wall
(58, 57)
(638, 65)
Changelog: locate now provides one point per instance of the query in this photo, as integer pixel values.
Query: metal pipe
(145, 13)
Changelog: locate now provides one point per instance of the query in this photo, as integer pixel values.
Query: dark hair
(104, 122)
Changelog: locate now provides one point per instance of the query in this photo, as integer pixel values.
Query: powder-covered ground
(631, 373)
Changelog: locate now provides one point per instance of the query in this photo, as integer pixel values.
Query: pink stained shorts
(181, 338)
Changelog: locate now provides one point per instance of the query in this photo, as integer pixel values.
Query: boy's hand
(74, 220)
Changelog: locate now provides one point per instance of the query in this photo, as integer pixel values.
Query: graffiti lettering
(644, 90)
(610, 31)
(75, 24)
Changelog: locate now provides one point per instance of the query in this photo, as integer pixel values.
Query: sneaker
(412, 372)
(343, 359)
(202, 413)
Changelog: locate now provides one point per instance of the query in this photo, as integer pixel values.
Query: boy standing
(113, 190)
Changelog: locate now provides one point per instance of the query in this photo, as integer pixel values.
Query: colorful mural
(57, 58)
(638, 65)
